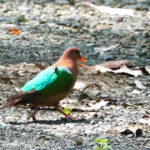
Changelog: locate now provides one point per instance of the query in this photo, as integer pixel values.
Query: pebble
(106, 57)
(3, 126)
(103, 95)
(2, 19)
(24, 8)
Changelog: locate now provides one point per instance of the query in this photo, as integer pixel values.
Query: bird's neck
(70, 64)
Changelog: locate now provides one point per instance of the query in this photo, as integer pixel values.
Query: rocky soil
(113, 102)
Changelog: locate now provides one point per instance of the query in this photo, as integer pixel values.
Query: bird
(51, 85)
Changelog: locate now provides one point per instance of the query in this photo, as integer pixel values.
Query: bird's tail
(22, 99)
(10, 103)
(15, 99)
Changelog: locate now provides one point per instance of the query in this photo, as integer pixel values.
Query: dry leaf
(102, 69)
(109, 10)
(96, 106)
(81, 86)
(125, 69)
(134, 132)
(147, 68)
(108, 66)
(115, 64)
(14, 31)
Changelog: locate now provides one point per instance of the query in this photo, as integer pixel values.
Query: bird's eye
(76, 52)
(56, 69)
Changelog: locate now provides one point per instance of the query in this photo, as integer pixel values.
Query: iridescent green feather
(50, 81)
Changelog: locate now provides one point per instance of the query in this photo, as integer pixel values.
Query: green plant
(102, 144)
(67, 110)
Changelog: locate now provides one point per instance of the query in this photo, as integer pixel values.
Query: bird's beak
(82, 59)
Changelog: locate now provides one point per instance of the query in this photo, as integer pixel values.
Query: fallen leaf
(147, 68)
(81, 86)
(133, 131)
(108, 66)
(125, 69)
(102, 69)
(105, 67)
(96, 106)
(115, 63)
(14, 31)
(109, 10)
(139, 85)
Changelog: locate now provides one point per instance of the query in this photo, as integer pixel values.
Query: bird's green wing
(50, 81)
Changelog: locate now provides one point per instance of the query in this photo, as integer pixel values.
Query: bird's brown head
(73, 53)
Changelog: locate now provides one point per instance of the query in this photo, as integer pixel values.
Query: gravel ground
(46, 29)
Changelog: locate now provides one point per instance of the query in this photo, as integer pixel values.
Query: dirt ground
(114, 107)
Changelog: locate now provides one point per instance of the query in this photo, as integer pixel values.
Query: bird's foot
(33, 118)
(67, 116)
(70, 117)
(33, 115)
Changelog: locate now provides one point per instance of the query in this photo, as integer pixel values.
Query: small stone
(83, 96)
(78, 142)
(139, 85)
(2, 18)
(104, 95)
(136, 91)
(95, 115)
(2, 126)
(106, 57)
(24, 8)
(93, 122)
(93, 93)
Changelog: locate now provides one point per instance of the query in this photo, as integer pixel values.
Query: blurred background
(101, 30)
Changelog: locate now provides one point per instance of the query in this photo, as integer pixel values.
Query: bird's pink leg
(67, 116)
(33, 115)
